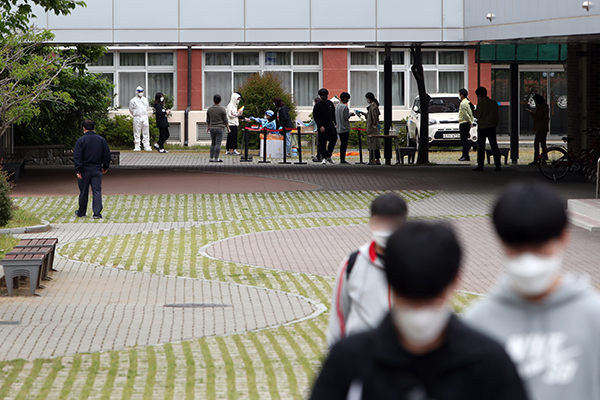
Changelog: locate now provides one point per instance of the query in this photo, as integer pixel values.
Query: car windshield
(442, 104)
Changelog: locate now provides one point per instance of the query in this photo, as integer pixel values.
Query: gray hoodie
(555, 344)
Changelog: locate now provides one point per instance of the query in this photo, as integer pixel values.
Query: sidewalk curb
(45, 227)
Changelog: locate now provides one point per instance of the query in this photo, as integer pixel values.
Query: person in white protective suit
(138, 107)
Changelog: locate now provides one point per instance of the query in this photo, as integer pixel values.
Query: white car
(443, 122)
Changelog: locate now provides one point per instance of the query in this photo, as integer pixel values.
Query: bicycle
(556, 162)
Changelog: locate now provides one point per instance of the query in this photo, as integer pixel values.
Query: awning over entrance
(523, 53)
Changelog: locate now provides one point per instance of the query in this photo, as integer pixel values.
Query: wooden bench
(33, 258)
(503, 152)
(15, 166)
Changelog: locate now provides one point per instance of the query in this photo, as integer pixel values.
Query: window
(132, 59)
(217, 58)
(427, 56)
(306, 58)
(246, 58)
(154, 71)
(396, 56)
(397, 88)
(362, 82)
(277, 58)
(430, 84)
(451, 82)
(363, 58)
(452, 57)
(299, 71)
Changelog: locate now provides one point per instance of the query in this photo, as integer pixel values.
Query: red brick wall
(486, 76)
(182, 65)
(335, 71)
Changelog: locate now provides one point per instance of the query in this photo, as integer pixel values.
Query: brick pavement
(321, 250)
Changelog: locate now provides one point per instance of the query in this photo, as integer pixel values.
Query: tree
(15, 14)
(417, 70)
(28, 71)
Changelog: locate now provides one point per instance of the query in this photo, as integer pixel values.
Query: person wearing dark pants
(465, 120)
(487, 121)
(324, 116)
(92, 160)
(342, 119)
(162, 123)
(541, 121)
(217, 123)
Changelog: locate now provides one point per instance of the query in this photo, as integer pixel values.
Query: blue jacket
(91, 153)
(265, 123)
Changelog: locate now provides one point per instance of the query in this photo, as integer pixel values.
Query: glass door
(557, 100)
(553, 87)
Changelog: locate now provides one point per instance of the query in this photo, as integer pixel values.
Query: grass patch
(21, 218)
(7, 243)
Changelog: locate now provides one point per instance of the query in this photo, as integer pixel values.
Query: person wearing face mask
(324, 116)
(420, 350)
(233, 114)
(372, 116)
(548, 322)
(162, 123)
(361, 296)
(138, 107)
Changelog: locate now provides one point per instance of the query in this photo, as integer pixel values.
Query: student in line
(361, 296)
(216, 119)
(548, 322)
(342, 120)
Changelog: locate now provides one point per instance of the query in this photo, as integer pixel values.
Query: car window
(444, 105)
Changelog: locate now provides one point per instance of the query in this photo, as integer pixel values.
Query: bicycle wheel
(555, 163)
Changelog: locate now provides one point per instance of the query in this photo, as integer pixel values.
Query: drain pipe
(189, 98)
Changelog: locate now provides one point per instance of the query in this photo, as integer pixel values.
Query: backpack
(351, 261)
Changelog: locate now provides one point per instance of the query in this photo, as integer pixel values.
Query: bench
(33, 258)
(503, 152)
(409, 152)
(15, 166)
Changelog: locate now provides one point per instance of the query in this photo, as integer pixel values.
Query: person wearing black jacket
(284, 121)
(324, 116)
(162, 123)
(420, 350)
(92, 159)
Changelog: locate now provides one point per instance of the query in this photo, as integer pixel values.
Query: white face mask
(162, 99)
(381, 237)
(532, 275)
(140, 94)
(421, 325)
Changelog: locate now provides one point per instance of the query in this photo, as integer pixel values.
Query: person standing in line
(421, 350)
(465, 121)
(162, 123)
(487, 121)
(284, 121)
(548, 321)
(234, 122)
(373, 143)
(342, 119)
(324, 116)
(361, 295)
(541, 122)
(92, 159)
(138, 107)
(217, 121)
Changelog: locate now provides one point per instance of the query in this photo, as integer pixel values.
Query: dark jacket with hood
(374, 366)
(161, 116)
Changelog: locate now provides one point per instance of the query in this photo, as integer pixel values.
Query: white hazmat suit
(138, 107)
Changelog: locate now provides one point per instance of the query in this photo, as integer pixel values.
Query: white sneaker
(212, 159)
(162, 151)
(136, 149)
(156, 146)
(147, 149)
(324, 161)
(236, 153)
(330, 161)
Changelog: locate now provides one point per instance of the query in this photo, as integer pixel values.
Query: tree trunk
(417, 70)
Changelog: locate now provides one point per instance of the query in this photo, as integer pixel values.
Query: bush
(258, 93)
(6, 203)
(118, 130)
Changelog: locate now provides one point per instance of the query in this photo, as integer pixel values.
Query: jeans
(232, 137)
(490, 134)
(163, 136)
(465, 127)
(93, 178)
(344, 136)
(216, 137)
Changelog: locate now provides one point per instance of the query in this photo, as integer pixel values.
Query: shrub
(118, 130)
(258, 93)
(6, 203)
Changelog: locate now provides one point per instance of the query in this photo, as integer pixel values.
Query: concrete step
(588, 207)
(584, 221)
